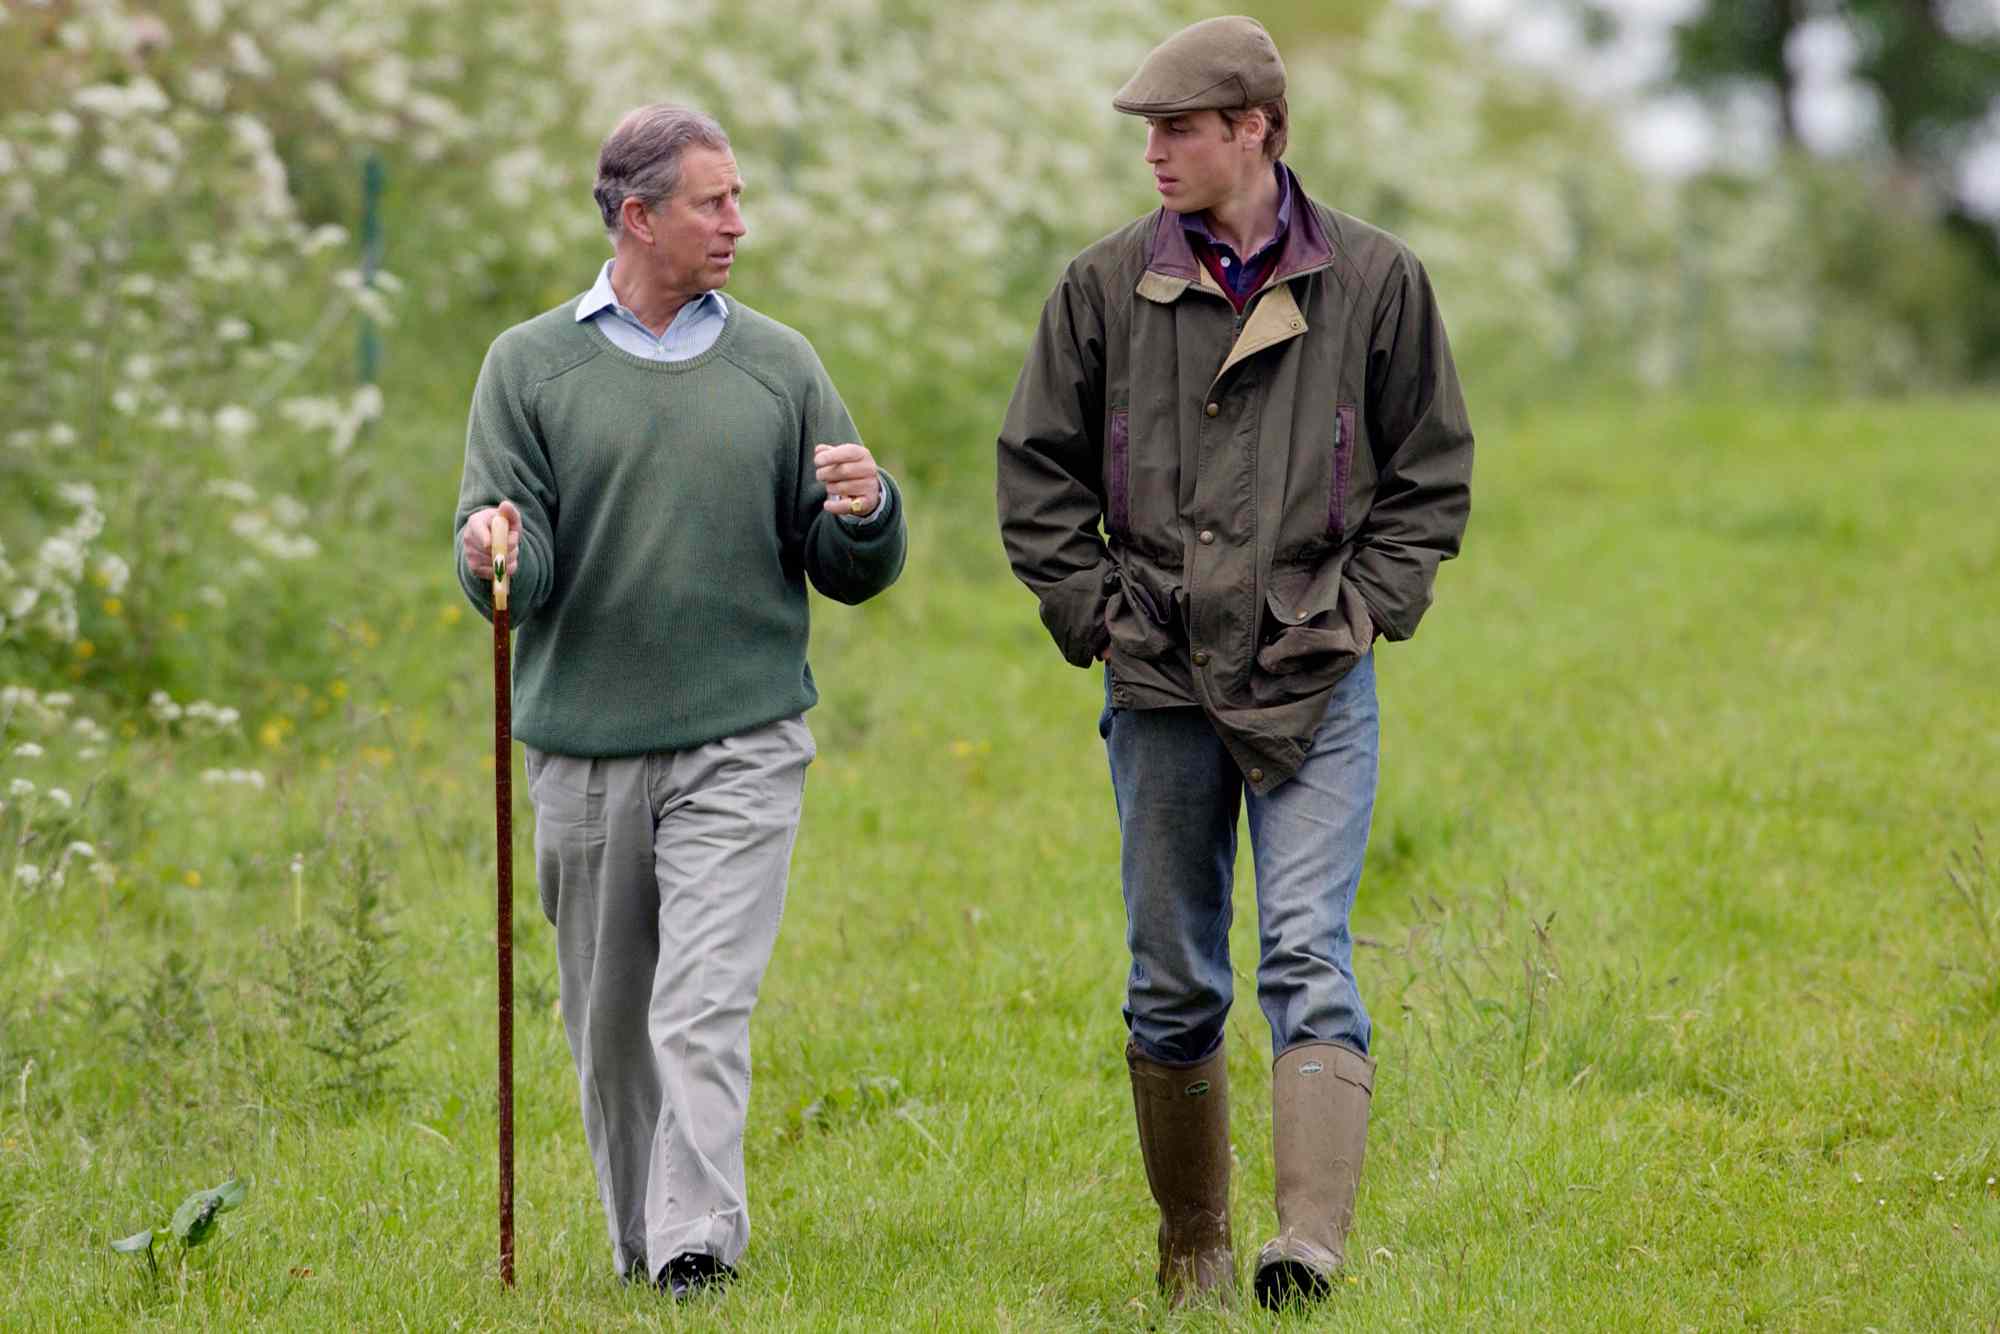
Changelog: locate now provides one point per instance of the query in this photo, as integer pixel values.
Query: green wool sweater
(669, 521)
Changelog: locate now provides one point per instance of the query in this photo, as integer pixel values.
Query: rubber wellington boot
(1184, 1139)
(1319, 1126)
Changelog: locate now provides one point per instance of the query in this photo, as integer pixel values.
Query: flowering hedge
(185, 426)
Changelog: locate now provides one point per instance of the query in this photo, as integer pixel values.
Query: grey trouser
(664, 875)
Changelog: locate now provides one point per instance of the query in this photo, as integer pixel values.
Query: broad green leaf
(134, 1244)
(195, 1219)
(230, 1193)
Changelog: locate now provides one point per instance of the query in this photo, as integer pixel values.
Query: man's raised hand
(853, 483)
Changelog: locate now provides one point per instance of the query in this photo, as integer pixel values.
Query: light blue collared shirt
(691, 332)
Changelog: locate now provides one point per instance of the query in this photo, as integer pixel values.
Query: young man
(1251, 395)
(673, 468)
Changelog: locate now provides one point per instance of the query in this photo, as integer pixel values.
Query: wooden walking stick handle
(496, 539)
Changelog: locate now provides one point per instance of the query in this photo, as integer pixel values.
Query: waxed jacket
(1236, 505)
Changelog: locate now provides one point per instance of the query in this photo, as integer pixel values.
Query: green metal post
(373, 175)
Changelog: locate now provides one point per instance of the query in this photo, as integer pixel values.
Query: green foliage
(134, 1244)
(1933, 62)
(194, 1222)
(337, 993)
(171, 1012)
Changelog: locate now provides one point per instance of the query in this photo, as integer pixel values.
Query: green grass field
(1681, 1024)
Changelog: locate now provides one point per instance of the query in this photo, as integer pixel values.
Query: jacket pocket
(1316, 629)
(1343, 471)
(1137, 619)
(1118, 482)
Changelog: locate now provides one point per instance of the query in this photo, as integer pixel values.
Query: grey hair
(641, 159)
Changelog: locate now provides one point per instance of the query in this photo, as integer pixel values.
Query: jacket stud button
(1256, 775)
(1201, 657)
(1207, 538)
(1212, 409)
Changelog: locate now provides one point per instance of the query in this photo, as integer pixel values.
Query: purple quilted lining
(1121, 470)
(1343, 466)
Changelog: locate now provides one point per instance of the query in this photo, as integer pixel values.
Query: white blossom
(214, 717)
(140, 97)
(251, 778)
(113, 572)
(229, 488)
(326, 236)
(247, 57)
(234, 421)
(207, 88)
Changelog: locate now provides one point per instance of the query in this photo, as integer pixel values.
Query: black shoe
(690, 1272)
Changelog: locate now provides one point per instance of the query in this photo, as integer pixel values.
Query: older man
(1251, 394)
(673, 468)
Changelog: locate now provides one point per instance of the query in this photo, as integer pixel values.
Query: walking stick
(503, 818)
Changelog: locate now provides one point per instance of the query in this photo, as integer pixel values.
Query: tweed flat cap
(1222, 63)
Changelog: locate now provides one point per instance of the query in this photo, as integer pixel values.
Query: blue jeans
(1178, 795)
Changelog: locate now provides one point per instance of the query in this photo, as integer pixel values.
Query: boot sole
(1285, 1283)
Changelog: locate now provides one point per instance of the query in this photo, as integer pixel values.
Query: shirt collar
(601, 298)
(1198, 222)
